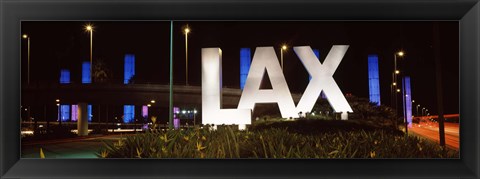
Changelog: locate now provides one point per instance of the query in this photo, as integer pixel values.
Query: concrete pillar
(82, 122)
(344, 115)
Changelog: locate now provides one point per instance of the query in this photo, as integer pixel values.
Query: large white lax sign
(265, 60)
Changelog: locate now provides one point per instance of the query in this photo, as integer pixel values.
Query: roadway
(429, 130)
(80, 147)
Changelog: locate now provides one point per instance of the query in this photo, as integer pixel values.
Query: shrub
(272, 143)
(363, 109)
(306, 126)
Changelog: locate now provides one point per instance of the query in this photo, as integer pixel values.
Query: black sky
(59, 44)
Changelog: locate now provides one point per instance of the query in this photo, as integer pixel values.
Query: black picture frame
(467, 12)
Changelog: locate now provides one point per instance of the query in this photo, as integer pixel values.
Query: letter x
(322, 78)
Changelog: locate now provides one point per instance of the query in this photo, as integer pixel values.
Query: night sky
(56, 45)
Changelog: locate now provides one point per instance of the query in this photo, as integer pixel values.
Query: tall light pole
(25, 36)
(394, 80)
(417, 108)
(58, 112)
(148, 106)
(186, 31)
(89, 28)
(422, 112)
(284, 48)
(413, 104)
(170, 95)
(194, 115)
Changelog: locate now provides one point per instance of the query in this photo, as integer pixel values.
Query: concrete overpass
(119, 94)
(108, 99)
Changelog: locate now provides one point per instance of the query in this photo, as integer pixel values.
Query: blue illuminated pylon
(245, 60)
(128, 113)
(64, 112)
(407, 100)
(86, 78)
(373, 79)
(64, 109)
(64, 76)
(129, 68)
(89, 111)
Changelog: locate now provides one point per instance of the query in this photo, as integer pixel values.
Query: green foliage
(363, 110)
(272, 143)
(318, 127)
(366, 111)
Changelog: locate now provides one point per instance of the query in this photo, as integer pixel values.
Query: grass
(278, 140)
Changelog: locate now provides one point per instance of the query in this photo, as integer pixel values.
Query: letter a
(265, 60)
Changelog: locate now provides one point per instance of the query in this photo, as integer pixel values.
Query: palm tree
(101, 73)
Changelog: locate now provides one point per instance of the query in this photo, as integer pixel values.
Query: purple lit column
(407, 100)
(74, 112)
(373, 79)
(145, 111)
(176, 120)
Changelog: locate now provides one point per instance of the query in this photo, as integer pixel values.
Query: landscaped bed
(280, 139)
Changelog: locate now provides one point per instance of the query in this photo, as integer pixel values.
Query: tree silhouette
(101, 73)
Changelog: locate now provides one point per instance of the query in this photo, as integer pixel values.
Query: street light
(417, 108)
(422, 111)
(58, 114)
(25, 36)
(152, 101)
(394, 79)
(194, 115)
(89, 28)
(186, 31)
(284, 48)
